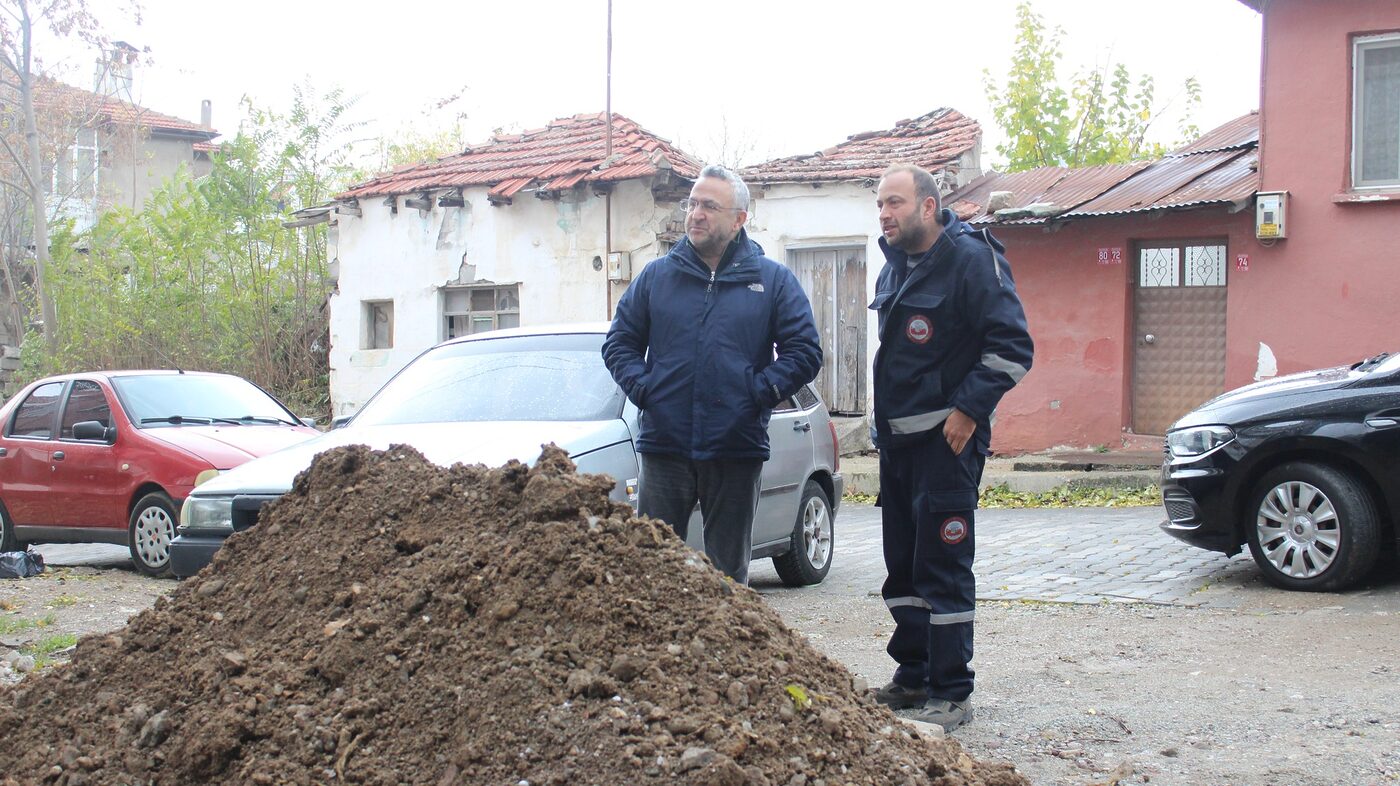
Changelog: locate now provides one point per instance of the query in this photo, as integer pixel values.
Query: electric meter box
(619, 266)
(1270, 207)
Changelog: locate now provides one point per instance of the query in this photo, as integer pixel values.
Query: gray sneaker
(945, 713)
(898, 697)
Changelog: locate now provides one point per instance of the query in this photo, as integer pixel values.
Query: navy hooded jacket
(693, 349)
(952, 336)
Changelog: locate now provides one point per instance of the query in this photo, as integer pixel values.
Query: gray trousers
(727, 490)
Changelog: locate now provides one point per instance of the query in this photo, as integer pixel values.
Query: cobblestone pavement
(1063, 555)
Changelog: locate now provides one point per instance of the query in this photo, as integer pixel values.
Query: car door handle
(803, 426)
(4, 452)
(1382, 422)
(58, 455)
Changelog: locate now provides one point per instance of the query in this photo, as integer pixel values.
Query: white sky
(786, 76)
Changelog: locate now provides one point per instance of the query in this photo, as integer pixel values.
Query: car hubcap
(816, 532)
(154, 531)
(1298, 529)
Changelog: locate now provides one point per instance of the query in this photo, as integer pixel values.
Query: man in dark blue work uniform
(953, 340)
(692, 345)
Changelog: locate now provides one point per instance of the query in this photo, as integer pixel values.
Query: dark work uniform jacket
(952, 336)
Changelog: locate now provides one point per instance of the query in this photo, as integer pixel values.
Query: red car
(109, 456)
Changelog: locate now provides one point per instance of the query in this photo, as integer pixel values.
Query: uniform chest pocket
(922, 301)
(919, 316)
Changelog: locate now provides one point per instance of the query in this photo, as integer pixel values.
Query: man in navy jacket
(692, 345)
(953, 340)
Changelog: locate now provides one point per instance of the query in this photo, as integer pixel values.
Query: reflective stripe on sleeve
(999, 363)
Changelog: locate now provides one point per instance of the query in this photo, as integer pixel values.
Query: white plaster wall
(787, 216)
(546, 246)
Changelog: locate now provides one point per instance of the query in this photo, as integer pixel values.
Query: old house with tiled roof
(816, 213)
(100, 150)
(538, 227)
(109, 151)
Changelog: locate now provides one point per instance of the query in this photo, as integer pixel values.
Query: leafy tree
(206, 276)
(1103, 117)
(20, 22)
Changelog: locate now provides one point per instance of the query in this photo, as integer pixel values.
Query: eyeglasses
(706, 205)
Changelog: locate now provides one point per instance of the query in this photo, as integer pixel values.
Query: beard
(912, 235)
(712, 244)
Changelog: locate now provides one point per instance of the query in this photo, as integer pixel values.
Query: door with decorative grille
(1179, 331)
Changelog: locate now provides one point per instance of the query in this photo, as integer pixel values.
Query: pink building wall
(1081, 316)
(1330, 296)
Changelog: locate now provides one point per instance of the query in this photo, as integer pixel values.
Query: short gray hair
(741, 191)
(925, 184)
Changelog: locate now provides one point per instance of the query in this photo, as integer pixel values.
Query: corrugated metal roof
(1060, 186)
(564, 153)
(1157, 185)
(1221, 167)
(933, 141)
(1240, 133)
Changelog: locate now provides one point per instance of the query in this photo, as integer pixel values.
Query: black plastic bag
(20, 564)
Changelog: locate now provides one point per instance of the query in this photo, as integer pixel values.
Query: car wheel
(8, 541)
(1313, 528)
(808, 558)
(150, 532)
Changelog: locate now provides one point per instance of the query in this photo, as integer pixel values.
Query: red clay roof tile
(564, 153)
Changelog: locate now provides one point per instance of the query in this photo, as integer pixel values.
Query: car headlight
(207, 513)
(1198, 441)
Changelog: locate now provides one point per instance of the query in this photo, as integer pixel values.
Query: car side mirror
(93, 430)
(340, 421)
(308, 422)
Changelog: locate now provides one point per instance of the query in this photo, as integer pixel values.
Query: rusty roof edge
(1061, 215)
(1153, 204)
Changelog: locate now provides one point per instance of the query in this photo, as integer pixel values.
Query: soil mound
(391, 621)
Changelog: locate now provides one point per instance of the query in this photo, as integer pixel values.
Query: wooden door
(834, 280)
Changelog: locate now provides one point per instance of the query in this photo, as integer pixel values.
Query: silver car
(496, 396)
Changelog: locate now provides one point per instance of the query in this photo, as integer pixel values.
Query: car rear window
(35, 416)
(503, 379)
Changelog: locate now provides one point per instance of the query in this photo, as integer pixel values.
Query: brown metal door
(1179, 331)
(834, 280)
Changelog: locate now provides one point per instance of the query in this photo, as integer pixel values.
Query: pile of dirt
(391, 621)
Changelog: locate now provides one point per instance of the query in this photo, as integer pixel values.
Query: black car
(1304, 468)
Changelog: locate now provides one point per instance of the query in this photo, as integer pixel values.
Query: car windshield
(184, 399)
(516, 378)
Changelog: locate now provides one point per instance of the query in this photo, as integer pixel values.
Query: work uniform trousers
(727, 490)
(927, 498)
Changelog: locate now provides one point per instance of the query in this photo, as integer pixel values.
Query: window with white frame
(477, 309)
(1376, 112)
(75, 172)
(378, 330)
